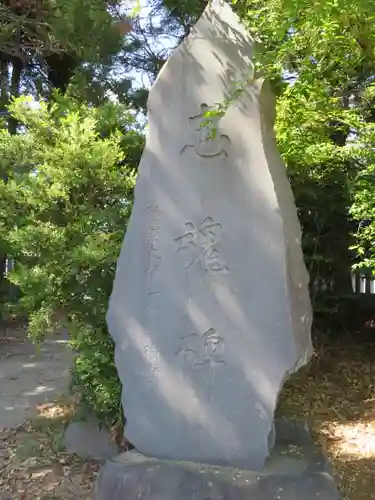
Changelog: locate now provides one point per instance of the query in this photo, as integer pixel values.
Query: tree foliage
(42, 43)
(320, 59)
(66, 203)
(67, 169)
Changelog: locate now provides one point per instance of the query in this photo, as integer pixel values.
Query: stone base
(295, 470)
(87, 440)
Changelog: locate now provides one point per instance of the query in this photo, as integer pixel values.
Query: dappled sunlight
(178, 391)
(62, 342)
(335, 394)
(11, 408)
(250, 360)
(227, 300)
(41, 474)
(32, 376)
(29, 365)
(355, 439)
(39, 390)
(55, 410)
(35, 466)
(260, 383)
(197, 317)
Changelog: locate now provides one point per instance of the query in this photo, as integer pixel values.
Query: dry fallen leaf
(336, 394)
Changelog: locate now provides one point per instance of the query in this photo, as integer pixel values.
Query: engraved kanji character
(203, 242)
(209, 141)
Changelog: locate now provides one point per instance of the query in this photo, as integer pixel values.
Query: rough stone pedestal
(294, 471)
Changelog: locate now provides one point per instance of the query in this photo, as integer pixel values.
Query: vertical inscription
(202, 245)
(152, 356)
(204, 349)
(153, 224)
(152, 235)
(153, 266)
(208, 140)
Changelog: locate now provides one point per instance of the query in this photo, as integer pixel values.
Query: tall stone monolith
(210, 308)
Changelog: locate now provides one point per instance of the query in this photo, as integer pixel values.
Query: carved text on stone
(152, 356)
(203, 244)
(152, 236)
(205, 349)
(209, 141)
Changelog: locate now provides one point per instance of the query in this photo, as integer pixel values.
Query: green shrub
(67, 201)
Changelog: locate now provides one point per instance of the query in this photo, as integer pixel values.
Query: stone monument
(210, 309)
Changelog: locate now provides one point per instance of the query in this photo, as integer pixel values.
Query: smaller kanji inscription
(152, 355)
(152, 237)
(202, 245)
(205, 349)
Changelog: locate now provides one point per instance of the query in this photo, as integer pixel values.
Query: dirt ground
(30, 377)
(335, 393)
(34, 411)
